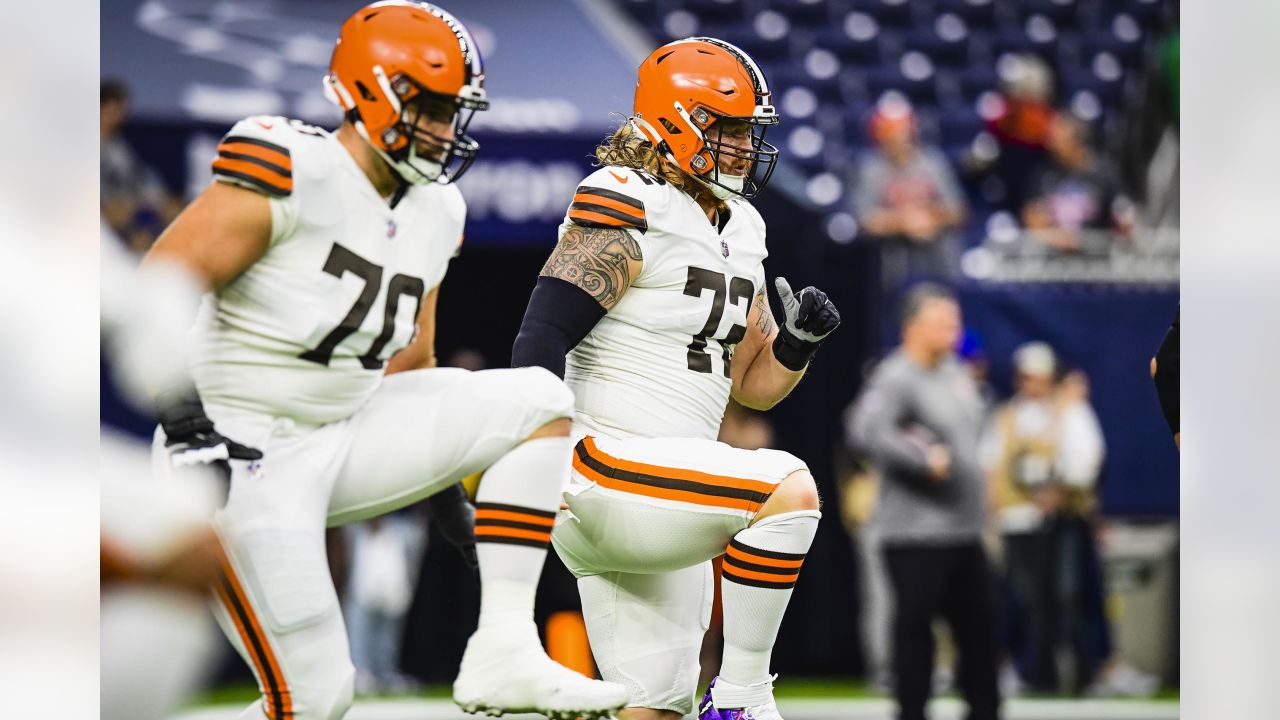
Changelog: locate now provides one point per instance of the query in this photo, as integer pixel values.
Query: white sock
(761, 567)
(516, 507)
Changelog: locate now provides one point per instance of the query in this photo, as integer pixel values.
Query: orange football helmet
(394, 61)
(685, 93)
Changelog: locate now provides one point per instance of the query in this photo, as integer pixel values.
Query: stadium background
(561, 74)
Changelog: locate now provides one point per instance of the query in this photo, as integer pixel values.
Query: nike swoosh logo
(620, 178)
(265, 125)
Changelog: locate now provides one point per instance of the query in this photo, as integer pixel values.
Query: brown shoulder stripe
(611, 195)
(600, 207)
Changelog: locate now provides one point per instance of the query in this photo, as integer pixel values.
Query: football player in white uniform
(656, 293)
(324, 253)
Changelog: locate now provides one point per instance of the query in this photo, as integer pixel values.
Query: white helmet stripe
(762, 87)
(470, 51)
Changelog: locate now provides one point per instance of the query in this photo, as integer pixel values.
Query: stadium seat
(647, 12)
(943, 52)
(890, 77)
(1063, 13)
(866, 51)
(718, 12)
(959, 125)
(975, 80)
(827, 90)
(1129, 53)
(1073, 80)
(890, 13)
(1019, 42)
(977, 14)
(810, 13)
(769, 53)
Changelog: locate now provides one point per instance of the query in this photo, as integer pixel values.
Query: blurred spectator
(918, 423)
(1076, 193)
(1146, 149)
(135, 203)
(385, 555)
(1043, 450)
(907, 197)
(1020, 123)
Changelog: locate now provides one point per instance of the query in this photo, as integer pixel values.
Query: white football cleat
(500, 675)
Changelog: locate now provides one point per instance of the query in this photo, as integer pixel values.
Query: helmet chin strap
(729, 187)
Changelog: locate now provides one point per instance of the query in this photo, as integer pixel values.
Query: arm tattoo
(598, 260)
(764, 321)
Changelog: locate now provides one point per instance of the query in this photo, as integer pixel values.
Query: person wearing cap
(1043, 450)
(918, 423)
(907, 196)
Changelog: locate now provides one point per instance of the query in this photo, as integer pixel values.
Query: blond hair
(626, 147)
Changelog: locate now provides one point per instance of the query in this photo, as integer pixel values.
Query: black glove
(809, 317)
(455, 518)
(191, 439)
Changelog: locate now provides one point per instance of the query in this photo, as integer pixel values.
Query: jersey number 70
(341, 260)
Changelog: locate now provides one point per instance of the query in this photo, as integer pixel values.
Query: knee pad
(546, 392)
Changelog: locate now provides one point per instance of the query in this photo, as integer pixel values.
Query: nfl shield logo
(391, 229)
(724, 248)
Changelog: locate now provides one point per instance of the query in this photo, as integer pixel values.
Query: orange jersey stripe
(611, 204)
(255, 171)
(737, 554)
(677, 473)
(256, 629)
(730, 570)
(518, 517)
(588, 216)
(493, 531)
(272, 156)
(664, 493)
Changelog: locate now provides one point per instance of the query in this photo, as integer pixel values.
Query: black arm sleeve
(559, 315)
(1168, 370)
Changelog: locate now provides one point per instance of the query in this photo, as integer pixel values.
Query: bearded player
(656, 294)
(324, 253)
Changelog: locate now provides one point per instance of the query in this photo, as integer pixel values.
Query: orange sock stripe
(483, 531)
(737, 554)
(270, 677)
(483, 514)
(731, 571)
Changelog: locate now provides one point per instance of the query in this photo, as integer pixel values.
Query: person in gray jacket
(918, 423)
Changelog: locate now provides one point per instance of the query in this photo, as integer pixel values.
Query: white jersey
(657, 365)
(304, 333)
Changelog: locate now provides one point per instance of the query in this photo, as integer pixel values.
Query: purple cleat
(767, 710)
